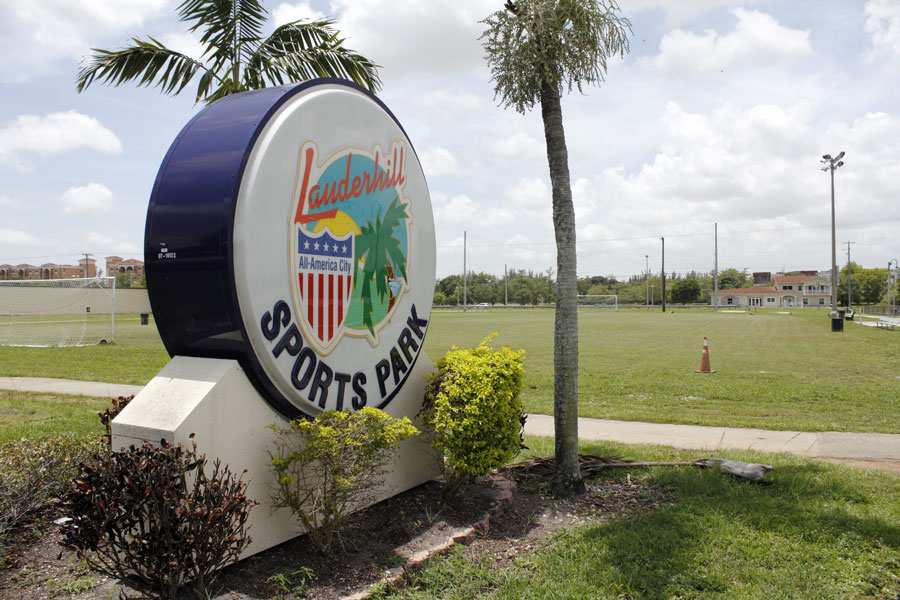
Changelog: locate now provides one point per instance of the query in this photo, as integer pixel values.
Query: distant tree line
(868, 286)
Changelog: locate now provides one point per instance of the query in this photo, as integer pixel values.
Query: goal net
(599, 301)
(57, 312)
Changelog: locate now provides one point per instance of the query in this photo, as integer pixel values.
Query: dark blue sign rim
(188, 238)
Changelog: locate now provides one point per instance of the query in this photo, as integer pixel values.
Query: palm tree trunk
(567, 476)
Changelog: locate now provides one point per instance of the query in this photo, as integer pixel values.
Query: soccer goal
(599, 301)
(57, 312)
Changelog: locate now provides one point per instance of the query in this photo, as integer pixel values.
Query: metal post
(465, 273)
(112, 329)
(830, 165)
(716, 272)
(849, 275)
(663, 274)
(892, 286)
(647, 279)
(505, 286)
(834, 273)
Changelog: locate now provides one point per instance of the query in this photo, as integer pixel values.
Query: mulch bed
(379, 543)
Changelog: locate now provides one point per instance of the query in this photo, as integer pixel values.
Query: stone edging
(441, 536)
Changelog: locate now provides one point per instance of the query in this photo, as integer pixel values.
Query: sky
(717, 117)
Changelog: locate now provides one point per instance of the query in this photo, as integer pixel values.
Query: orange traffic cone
(704, 359)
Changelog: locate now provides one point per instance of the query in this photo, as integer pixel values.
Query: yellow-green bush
(473, 410)
(332, 465)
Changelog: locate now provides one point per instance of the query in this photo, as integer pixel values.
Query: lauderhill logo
(350, 334)
(349, 242)
(331, 241)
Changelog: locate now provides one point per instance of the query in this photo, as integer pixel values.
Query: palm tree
(379, 249)
(237, 58)
(535, 49)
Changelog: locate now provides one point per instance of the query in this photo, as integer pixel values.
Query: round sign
(291, 229)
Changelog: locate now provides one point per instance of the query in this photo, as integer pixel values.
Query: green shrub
(33, 474)
(331, 466)
(158, 516)
(473, 411)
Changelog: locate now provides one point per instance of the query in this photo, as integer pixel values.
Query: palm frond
(299, 51)
(146, 63)
(232, 29)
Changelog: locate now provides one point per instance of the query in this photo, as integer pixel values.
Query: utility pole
(465, 272)
(848, 274)
(87, 255)
(663, 273)
(505, 286)
(716, 272)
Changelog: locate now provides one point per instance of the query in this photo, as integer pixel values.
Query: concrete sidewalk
(867, 447)
(47, 385)
(880, 447)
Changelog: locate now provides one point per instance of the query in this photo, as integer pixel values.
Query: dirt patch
(491, 517)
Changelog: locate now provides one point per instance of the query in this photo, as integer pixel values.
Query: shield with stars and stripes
(324, 271)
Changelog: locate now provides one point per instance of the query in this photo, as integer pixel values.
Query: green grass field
(34, 416)
(774, 371)
(135, 357)
(820, 531)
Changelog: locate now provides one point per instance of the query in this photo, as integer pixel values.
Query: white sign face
(334, 251)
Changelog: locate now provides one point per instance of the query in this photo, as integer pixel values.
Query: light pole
(830, 165)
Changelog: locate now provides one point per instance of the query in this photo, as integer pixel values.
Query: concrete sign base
(213, 399)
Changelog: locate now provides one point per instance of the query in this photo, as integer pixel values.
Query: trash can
(145, 319)
(837, 321)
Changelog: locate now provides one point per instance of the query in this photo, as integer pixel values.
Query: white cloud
(743, 163)
(94, 198)
(461, 210)
(755, 172)
(298, 11)
(453, 209)
(7, 202)
(531, 195)
(99, 239)
(55, 132)
(115, 241)
(883, 24)
(677, 12)
(444, 100)
(438, 161)
(186, 43)
(414, 38)
(17, 237)
(520, 146)
(757, 39)
(37, 33)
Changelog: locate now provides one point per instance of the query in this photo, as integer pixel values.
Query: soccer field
(775, 371)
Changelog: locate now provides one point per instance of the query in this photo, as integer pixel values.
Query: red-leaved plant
(158, 516)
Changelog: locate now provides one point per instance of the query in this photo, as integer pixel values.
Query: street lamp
(830, 165)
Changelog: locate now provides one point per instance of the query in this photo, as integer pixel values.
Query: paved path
(881, 447)
(67, 386)
(846, 447)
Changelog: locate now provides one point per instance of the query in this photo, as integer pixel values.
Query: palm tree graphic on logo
(380, 257)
